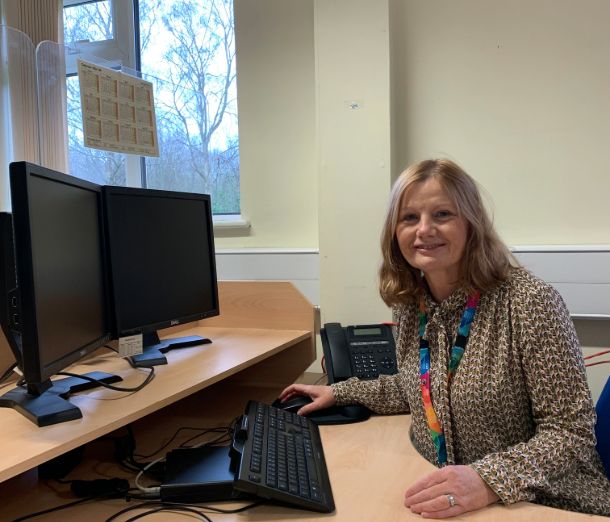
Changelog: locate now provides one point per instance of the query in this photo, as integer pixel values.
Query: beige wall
(315, 170)
(275, 60)
(353, 137)
(516, 92)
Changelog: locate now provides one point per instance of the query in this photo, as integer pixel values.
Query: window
(187, 50)
(89, 21)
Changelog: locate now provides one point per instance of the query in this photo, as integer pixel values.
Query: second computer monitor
(163, 269)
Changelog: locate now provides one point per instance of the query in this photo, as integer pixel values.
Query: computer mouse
(294, 404)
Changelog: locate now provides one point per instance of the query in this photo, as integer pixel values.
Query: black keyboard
(281, 458)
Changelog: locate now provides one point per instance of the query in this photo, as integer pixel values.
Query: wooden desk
(370, 464)
(264, 334)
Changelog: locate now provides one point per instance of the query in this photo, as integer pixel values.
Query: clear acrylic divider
(18, 105)
(60, 117)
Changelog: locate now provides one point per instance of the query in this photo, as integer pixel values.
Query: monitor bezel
(34, 371)
(109, 191)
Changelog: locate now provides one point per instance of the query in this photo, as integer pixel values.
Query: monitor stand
(154, 348)
(52, 406)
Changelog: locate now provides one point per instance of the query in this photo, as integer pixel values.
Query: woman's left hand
(448, 492)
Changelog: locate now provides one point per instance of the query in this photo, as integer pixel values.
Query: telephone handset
(364, 351)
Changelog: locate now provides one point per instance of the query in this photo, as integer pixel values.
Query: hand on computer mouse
(293, 404)
(321, 396)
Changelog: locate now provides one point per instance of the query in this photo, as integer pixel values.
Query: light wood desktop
(262, 341)
(277, 331)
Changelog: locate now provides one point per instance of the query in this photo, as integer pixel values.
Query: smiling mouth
(427, 248)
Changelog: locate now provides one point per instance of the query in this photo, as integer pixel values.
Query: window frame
(122, 52)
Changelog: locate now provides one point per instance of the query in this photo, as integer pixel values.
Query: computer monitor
(9, 295)
(163, 268)
(59, 311)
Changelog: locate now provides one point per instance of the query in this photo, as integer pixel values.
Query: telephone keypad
(363, 351)
(369, 357)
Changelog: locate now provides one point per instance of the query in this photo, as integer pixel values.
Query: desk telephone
(365, 351)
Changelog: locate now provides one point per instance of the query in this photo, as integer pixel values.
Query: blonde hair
(487, 260)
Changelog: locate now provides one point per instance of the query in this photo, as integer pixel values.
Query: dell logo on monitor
(174, 322)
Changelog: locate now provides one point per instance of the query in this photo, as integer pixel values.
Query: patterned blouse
(519, 409)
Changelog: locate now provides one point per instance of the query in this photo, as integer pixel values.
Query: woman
(490, 365)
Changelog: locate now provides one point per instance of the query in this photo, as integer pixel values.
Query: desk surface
(264, 333)
(370, 465)
(24, 445)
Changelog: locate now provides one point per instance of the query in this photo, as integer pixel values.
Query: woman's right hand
(321, 396)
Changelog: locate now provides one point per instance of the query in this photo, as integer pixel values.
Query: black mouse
(294, 404)
(331, 415)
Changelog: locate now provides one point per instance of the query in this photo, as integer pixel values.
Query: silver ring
(451, 500)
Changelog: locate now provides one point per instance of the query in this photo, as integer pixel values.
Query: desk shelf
(275, 352)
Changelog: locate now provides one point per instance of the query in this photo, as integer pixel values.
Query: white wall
(275, 81)
(353, 139)
(313, 83)
(516, 92)
(299, 266)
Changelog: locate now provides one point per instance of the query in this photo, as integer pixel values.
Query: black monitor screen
(162, 256)
(61, 268)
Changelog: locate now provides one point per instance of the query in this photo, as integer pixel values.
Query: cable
(153, 491)
(603, 352)
(226, 433)
(63, 506)
(149, 378)
(124, 451)
(598, 362)
(172, 508)
(176, 433)
(8, 372)
(51, 510)
(129, 458)
(169, 506)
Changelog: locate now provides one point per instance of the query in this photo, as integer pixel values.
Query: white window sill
(231, 225)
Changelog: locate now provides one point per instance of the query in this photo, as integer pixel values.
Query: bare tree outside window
(93, 22)
(88, 22)
(188, 52)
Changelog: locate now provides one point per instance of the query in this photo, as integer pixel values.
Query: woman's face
(430, 232)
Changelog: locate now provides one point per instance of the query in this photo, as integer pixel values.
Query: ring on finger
(451, 500)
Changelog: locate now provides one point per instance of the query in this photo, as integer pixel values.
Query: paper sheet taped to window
(118, 111)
